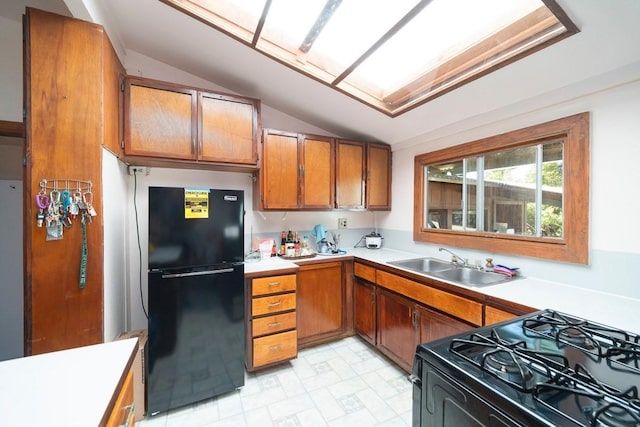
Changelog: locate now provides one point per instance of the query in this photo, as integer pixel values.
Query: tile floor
(344, 383)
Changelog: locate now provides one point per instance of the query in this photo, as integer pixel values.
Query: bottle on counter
(296, 245)
(283, 243)
(273, 249)
(304, 246)
(289, 245)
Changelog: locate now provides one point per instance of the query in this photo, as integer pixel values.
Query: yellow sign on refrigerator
(196, 203)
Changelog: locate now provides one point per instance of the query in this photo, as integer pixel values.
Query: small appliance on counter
(320, 234)
(373, 240)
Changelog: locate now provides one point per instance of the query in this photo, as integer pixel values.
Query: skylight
(391, 55)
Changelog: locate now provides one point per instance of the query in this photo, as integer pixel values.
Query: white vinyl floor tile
(344, 383)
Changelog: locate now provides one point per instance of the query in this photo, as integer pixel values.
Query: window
(391, 55)
(524, 192)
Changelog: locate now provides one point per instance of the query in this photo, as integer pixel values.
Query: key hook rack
(66, 201)
(69, 184)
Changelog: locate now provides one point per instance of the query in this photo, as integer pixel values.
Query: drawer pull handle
(274, 324)
(274, 284)
(275, 347)
(275, 304)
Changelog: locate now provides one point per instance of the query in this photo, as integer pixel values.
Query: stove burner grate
(602, 404)
(509, 361)
(599, 340)
(505, 364)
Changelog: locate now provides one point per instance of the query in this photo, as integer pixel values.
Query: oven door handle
(414, 379)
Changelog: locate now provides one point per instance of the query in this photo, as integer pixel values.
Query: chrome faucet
(455, 259)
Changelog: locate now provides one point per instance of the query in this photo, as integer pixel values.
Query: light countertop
(63, 388)
(608, 309)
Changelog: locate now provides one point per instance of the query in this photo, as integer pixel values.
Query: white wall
(114, 194)
(10, 70)
(614, 234)
(11, 294)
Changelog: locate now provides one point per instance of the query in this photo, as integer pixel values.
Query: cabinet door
(160, 120)
(317, 159)
(279, 189)
(350, 158)
(364, 303)
(113, 99)
(434, 325)
(320, 301)
(227, 129)
(398, 332)
(378, 188)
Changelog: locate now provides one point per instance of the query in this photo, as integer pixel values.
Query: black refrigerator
(196, 347)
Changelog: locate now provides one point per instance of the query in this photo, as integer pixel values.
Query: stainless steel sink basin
(446, 271)
(472, 277)
(423, 265)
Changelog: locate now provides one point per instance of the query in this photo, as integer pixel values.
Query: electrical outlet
(138, 170)
(342, 222)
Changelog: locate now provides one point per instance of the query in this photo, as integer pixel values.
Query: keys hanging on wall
(61, 203)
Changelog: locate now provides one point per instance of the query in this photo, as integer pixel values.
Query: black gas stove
(543, 369)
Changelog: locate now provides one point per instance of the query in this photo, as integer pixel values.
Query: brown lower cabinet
(364, 307)
(398, 328)
(434, 325)
(403, 324)
(271, 320)
(321, 307)
(396, 323)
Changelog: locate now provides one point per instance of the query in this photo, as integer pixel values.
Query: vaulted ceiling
(604, 53)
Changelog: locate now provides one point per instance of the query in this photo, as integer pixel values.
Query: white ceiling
(605, 53)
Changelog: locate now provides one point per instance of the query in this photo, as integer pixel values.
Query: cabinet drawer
(122, 413)
(274, 348)
(457, 306)
(273, 324)
(273, 304)
(365, 272)
(273, 284)
(494, 315)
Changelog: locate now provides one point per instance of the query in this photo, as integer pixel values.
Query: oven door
(439, 400)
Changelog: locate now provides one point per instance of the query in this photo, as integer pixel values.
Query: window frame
(573, 247)
(526, 35)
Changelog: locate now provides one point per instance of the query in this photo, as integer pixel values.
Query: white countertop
(608, 309)
(63, 388)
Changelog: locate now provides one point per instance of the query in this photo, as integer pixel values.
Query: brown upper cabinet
(363, 175)
(171, 125)
(350, 174)
(378, 178)
(311, 172)
(296, 171)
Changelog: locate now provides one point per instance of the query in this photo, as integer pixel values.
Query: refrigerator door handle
(197, 273)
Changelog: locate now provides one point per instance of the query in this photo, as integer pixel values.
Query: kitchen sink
(423, 265)
(472, 277)
(444, 270)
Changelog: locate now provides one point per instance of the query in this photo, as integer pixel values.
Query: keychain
(43, 202)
